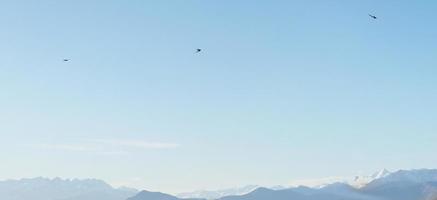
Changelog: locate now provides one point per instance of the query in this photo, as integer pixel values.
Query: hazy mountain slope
(146, 195)
(215, 194)
(293, 194)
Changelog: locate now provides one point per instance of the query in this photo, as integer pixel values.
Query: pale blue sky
(284, 90)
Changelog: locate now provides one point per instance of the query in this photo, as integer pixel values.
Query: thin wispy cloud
(66, 147)
(107, 146)
(137, 144)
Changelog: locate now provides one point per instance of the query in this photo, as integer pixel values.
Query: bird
(198, 50)
(373, 16)
(66, 60)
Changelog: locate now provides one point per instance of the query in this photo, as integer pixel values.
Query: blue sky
(283, 90)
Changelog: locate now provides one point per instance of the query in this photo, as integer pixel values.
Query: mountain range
(400, 185)
(60, 189)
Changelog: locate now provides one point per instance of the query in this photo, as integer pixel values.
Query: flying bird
(373, 16)
(66, 60)
(198, 50)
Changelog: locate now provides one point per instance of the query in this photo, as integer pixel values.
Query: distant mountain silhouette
(59, 189)
(146, 195)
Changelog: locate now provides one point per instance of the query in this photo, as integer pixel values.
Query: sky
(283, 90)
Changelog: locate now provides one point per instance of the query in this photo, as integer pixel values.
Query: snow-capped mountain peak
(382, 173)
(361, 181)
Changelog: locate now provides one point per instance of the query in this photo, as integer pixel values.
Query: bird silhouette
(66, 60)
(198, 50)
(373, 16)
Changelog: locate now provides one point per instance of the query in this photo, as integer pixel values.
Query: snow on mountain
(361, 181)
(355, 181)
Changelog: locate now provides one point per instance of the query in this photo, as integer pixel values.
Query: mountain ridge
(419, 184)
